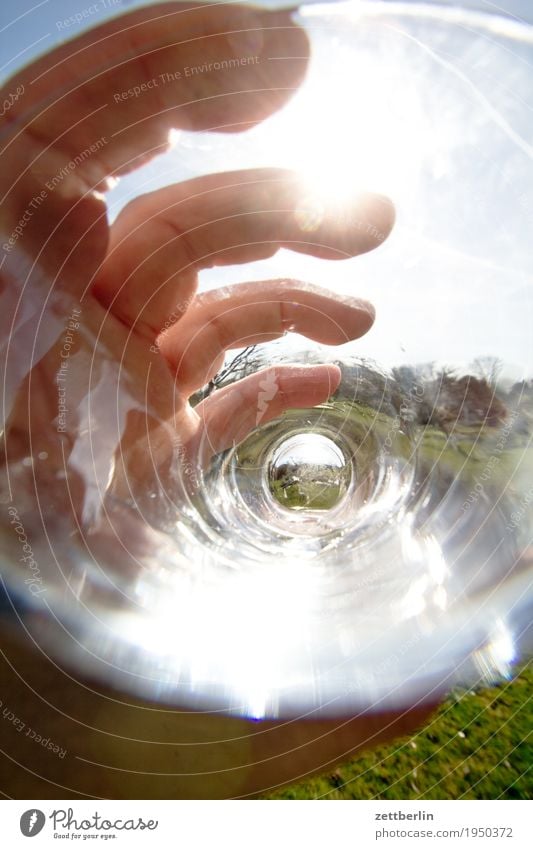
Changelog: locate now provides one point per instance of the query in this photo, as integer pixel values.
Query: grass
(477, 746)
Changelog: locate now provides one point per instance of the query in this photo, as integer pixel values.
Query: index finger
(103, 104)
(250, 313)
(129, 80)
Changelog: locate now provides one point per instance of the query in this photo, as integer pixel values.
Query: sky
(30, 27)
(440, 119)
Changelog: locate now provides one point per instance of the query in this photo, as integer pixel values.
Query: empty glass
(369, 552)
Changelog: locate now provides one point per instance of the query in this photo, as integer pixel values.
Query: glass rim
(517, 10)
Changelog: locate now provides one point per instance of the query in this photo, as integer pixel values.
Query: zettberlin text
(399, 815)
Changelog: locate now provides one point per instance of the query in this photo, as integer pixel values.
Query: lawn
(478, 746)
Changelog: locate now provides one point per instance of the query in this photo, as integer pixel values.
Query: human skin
(127, 279)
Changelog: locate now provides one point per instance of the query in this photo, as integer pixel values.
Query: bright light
(232, 631)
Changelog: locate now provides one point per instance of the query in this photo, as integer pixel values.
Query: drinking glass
(370, 552)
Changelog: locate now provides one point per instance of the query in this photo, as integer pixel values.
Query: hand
(140, 340)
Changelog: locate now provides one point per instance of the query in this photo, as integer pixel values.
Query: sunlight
(233, 632)
(174, 136)
(360, 127)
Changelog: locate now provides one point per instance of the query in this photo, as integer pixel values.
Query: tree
(488, 368)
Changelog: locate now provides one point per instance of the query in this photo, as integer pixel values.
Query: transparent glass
(374, 550)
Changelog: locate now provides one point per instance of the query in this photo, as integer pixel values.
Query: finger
(231, 413)
(251, 313)
(105, 101)
(161, 240)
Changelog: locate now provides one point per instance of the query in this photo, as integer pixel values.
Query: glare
(424, 549)
(111, 183)
(234, 631)
(173, 138)
(496, 657)
(361, 126)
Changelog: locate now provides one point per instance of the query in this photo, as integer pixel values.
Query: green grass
(477, 746)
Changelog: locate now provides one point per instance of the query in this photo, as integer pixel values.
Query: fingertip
(334, 377)
(351, 319)
(365, 317)
(387, 213)
(379, 215)
(313, 384)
